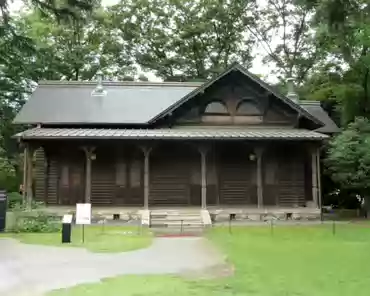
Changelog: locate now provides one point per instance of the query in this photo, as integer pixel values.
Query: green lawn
(97, 239)
(296, 260)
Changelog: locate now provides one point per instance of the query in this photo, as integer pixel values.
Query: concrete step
(176, 218)
(192, 222)
(164, 231)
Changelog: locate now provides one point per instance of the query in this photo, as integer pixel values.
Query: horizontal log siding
(52, 198)
(170, 169)
(237, 176)
(102, 180)
(39, 175)
(291, 182)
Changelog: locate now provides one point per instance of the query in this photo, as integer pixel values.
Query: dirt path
(33, 270)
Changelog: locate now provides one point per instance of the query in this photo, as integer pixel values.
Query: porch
(258, 171)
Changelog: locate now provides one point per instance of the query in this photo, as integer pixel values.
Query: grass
(110, 239)
(291, 261)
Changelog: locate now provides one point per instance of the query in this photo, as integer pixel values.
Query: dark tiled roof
(127, 102)
(133, 103)
(314, 108)
(173, 134)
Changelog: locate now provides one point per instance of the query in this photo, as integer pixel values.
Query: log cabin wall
(175, 178)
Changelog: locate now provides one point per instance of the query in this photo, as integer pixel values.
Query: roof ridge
(118, 83)
(310, 102)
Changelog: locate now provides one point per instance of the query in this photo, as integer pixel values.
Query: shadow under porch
(236, 174)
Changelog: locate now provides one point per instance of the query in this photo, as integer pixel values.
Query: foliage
(37, 221)
(74, 50)
(40, 223)
(183, 40)
(348, 157)
(15, 200)
(283, 28)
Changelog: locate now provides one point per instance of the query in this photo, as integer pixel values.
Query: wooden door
(71, 183)
(170, 176)
(237, 176)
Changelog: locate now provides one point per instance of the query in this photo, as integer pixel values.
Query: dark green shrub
(36, 221)
(14, 200)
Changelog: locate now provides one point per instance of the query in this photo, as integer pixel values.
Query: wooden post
(203, 157)
(46, 176)
(259, 152)
(314, 175)
(318, 179)
(89, 152)
(24, 175)
(146, 150)
(29, 181)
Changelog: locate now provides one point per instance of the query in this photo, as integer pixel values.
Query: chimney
(291, 90)
(99, 89)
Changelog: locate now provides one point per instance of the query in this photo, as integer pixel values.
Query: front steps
(178, 220)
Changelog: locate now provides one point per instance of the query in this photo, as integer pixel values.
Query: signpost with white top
(83, 216)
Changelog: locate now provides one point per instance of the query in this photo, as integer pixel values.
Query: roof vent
(99, 89)
(292, 95)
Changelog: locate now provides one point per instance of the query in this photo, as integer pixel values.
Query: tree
(182, 40)
(345, 27)
(74, 50)
(283, 28)
(348, 158)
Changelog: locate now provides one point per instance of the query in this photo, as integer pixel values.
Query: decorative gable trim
(237, 67)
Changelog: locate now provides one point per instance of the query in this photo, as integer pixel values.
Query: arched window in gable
(248, 108)
(216, 108)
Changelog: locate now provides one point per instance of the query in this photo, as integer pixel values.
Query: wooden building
(232, 141)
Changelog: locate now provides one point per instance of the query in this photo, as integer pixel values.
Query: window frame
(218, 102)
(259, 110)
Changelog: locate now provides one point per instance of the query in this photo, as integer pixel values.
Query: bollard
(181, 225)
(66, 229)
(230, 218)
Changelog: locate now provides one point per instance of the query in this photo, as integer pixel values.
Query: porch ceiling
(171, 134)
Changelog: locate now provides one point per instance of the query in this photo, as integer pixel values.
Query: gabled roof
(314, 108)
(129, 103)
(67, 102)
(244, 71)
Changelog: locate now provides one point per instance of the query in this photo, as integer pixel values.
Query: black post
(230, 218)
(83, 233)
(66, 228)
(181, 225)
(3, 208)
(66, 233)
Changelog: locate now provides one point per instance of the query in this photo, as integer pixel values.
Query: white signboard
(67, 219)
(83, 213)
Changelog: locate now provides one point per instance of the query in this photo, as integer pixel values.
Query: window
(121, 174)
(216, 108)
(248, 108)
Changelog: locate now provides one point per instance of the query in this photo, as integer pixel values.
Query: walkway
(33, 270)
